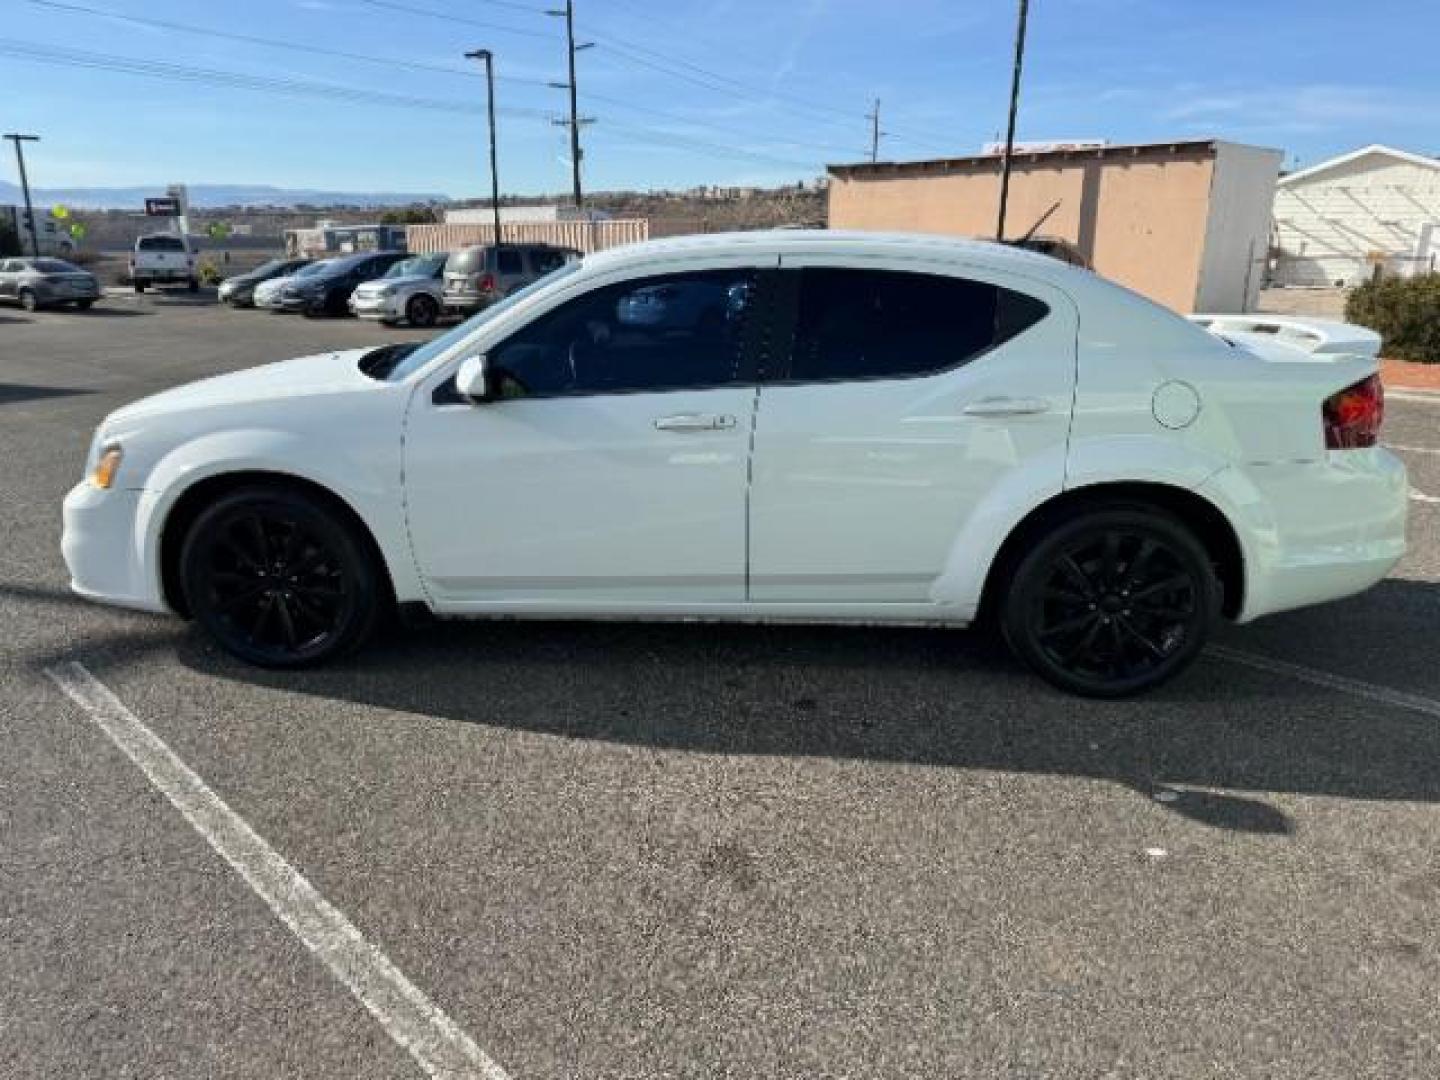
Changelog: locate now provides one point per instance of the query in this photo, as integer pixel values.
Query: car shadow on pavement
(102, 311)
(935, 698)
(11, 393)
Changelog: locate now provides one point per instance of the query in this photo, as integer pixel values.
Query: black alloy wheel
(278, 579)
(1112, 603)
(422, 310)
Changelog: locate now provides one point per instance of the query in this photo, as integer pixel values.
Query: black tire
(84, 305)
(422, 310)
(1112, 602)
(139, 286)
(193, 285)
(28, 300)
(279, 579)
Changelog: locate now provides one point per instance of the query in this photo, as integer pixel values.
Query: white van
(163, 259)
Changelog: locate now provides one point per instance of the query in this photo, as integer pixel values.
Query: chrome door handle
(695, 422)
(1007, 406)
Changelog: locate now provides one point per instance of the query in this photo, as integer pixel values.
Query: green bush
(209, 273)
(1405, 312)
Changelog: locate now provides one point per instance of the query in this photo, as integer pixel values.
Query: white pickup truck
(163, 259)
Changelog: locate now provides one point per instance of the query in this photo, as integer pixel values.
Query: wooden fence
(583, 236)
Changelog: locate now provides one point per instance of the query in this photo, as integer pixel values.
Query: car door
(909, 393)
(8, 276)
(608, 468)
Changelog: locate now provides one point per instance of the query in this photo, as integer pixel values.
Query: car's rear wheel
(279, 579)
(193, 284)
(1112, 603)
(139, 286)
(84, 305)
(28, 300)
(422, 310)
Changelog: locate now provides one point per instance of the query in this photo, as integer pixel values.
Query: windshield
(56, 266)
(418, 266)
(160, 243)
(316, 268)
(409, 363)
(274, 266)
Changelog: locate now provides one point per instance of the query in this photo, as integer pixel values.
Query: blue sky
(695, 91)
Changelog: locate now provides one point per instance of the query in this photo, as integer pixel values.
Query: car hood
(323, 373)
(406, 281)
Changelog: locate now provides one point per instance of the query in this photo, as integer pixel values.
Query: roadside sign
(163, 206)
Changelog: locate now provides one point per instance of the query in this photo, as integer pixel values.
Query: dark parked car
(240, 289)
(37, 283)
(328, 291)
(475, 277)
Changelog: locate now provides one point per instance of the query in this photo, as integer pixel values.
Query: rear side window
(546, 259)
(884, 324)
(509, 261)
(160, 243)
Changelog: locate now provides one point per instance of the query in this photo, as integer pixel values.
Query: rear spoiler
(1328, 336)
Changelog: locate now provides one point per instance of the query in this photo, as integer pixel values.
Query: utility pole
(568, 14)
(874, 118)
(25, 187)
(1014, 108)
(489, 58)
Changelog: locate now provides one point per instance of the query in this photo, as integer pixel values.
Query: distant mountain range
(203, 196)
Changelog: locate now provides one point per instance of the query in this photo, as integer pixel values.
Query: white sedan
(870, 428)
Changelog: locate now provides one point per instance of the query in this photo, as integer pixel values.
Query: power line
(62, 57)
(75, 58)
(272, 43)
(675, 67)
(430, 13)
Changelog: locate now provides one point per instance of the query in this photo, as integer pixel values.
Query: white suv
(789, 426)
(163, 259)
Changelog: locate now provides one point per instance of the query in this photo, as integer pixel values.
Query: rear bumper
(1312, 532)
(102, 550)
(465, 303)
(172, 276)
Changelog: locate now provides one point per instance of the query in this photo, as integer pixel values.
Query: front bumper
(1312, 532)
(103, 550)
(377, 307)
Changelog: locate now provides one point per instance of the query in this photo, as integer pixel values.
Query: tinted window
(509, 261)
(160, 243)
(56, 266)
(546, 259)
(879, 324)
(663, 333)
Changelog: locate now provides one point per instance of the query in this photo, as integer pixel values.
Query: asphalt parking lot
(630, 851)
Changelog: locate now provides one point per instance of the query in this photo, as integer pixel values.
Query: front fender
(364, 476)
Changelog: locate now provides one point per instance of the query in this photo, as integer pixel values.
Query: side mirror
(472, 381)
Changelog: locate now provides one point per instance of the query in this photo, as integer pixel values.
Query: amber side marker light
(103, 475)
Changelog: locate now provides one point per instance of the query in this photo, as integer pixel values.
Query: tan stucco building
(1186, 223)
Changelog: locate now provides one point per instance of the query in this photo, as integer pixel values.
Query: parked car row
(392, 287)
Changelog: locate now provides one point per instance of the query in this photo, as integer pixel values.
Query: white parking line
(407, 1015)
(1383, 694)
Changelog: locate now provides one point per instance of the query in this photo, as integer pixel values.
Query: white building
(1336, 220)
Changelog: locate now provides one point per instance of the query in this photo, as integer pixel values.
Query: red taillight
(487, 283)
(1353, 416)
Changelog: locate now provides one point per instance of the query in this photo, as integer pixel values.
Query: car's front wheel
(279, 579)
(1112, 602)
